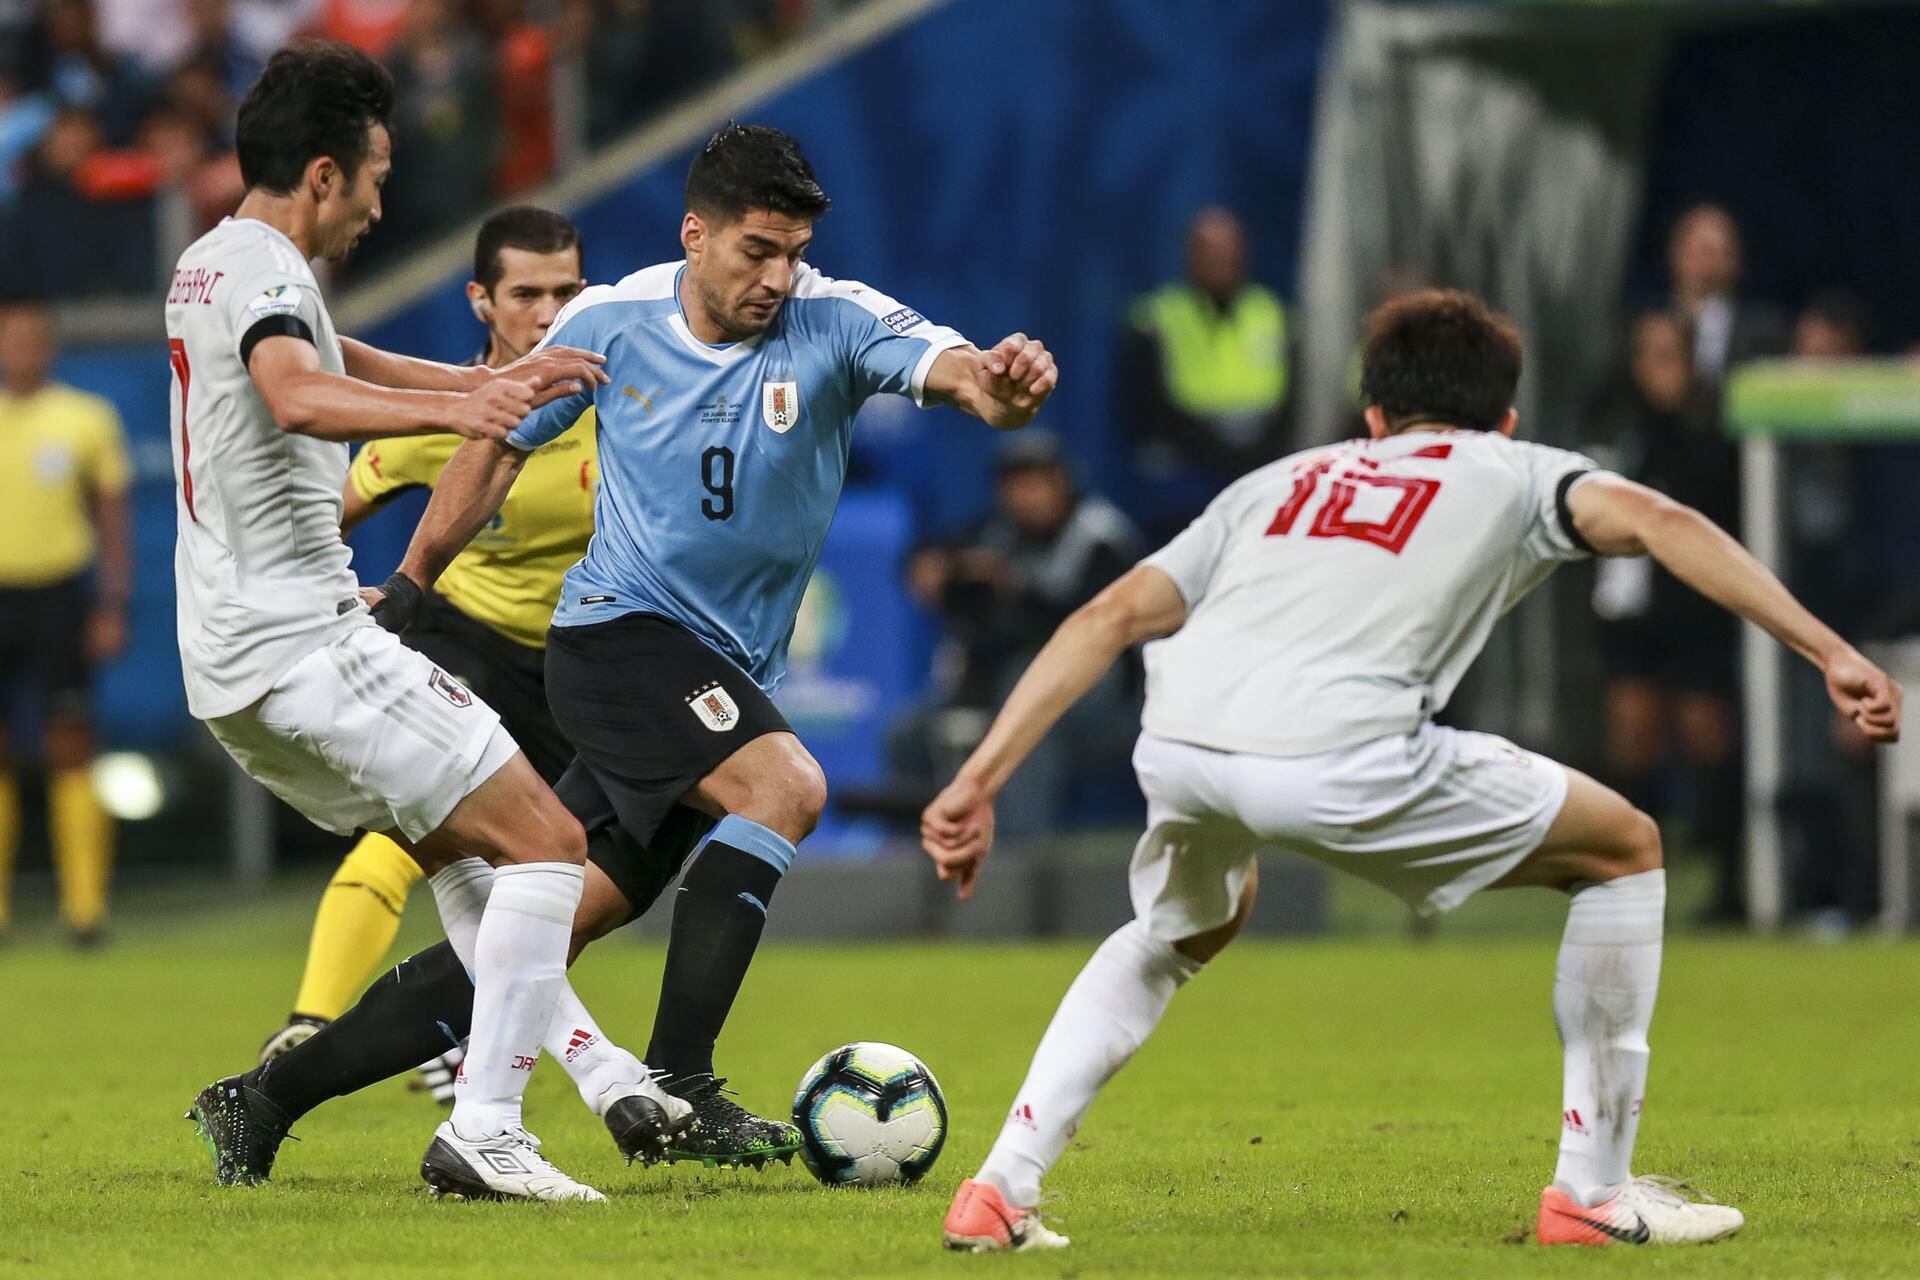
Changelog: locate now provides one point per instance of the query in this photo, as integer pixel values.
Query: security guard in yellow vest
(486, 621)
(65, 570)
(1204, 375)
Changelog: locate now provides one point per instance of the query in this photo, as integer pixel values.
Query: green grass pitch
(1349, 1108)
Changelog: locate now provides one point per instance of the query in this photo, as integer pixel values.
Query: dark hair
(1440, 355)
(750, 166)
(316, 98)
(523, 226)
(1842, 310)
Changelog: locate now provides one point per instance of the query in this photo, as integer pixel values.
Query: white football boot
(506, 1167)
(1647, 1210)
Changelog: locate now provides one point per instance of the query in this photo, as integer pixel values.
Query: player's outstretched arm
(307, 400)
(1620, 518)
(1004, 386)
(957, 828)
(407, 373)
(469, 493)
(552, 371)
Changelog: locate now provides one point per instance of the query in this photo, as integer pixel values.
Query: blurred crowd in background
(116, 122)
(116, 116)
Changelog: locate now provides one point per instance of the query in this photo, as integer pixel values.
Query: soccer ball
(869, 1114)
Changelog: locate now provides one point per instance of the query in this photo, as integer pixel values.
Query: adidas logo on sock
(580, 1042)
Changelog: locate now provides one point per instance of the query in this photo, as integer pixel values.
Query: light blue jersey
(721, 467)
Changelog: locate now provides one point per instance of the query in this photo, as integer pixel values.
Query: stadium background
(1003, 166)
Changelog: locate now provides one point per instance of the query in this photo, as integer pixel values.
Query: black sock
(421, 1007)
(717, 918)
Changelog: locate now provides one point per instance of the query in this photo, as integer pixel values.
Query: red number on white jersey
(177, 355)
(1390, 532)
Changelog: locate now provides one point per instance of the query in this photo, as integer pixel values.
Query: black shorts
(640, 871)
(509, 677)
(651, 709)
(43, 644)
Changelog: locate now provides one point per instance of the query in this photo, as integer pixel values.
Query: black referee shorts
(509, 677)
(43, 645)
(651, 709)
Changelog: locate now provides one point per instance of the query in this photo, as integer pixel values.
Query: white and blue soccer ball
(869, 1114)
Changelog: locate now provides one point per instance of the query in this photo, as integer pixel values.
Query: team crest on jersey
(780, 405)
(449, 688)
(716, 708)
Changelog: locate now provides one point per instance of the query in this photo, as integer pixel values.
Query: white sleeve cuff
(917, 383)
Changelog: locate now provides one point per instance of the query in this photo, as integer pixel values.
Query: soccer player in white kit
(280, 655)
(1310, 624)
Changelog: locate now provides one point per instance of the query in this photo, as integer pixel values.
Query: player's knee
(808, 799)
(1640, 847)
(548, 833)
(791, 804)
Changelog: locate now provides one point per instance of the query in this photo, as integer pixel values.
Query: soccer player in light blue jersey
(735, 376)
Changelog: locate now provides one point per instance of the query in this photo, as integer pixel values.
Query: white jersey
(1339, 595)
(261, 572)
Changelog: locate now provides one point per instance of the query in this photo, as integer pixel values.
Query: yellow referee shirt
(59, 449)
(509, 575)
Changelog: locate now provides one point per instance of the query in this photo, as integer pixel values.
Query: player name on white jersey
(1339, 594)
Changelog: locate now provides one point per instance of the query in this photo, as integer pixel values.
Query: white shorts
(365, 733)
(1432, 816)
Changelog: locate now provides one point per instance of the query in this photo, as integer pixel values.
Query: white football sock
(519, 968)
(1106, 1015)
(460, 891)
(594, 1062)
(573, 1038)
(1603, 993)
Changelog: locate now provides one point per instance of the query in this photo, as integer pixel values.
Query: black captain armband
(1565, 511)
(400, 598)
(272, 327)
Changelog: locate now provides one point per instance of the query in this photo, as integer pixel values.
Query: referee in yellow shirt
(486, 622)
(64, 573)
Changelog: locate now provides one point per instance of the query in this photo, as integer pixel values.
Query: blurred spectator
(1828, 806)
(64, 576)
(1203, 376)
(523, 73)
(1833, 327)
(101, 102)
(199, 91)
(643, 54)
(447, 122)
(78, 221)
(1000, 592)
(1703, 257)
(24, 120)
(1671, 655)
(187, 161)
(217, 45)
(82, 72)
(373, 25)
